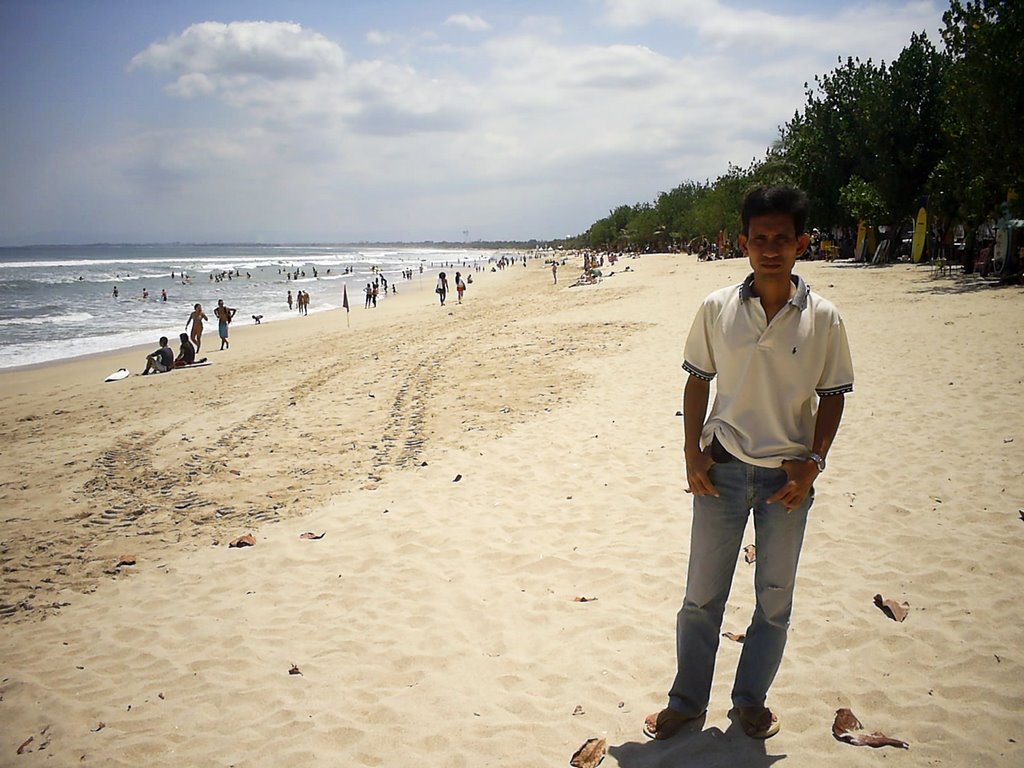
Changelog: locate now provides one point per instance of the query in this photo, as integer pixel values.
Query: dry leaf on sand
(295, 670)
(750, 553)
(892, 609)
(584, 599)
(125, 560)
(734, 637)
(311, 535)
(590, 754)
(243, 541)
(848, 728)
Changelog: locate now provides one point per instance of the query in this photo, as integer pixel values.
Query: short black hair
(761, 201)
(163, 341)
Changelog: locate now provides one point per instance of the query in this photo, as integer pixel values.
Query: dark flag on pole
(344, 301)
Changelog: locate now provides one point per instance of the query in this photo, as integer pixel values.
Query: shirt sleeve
(837, 374)
(698, 357)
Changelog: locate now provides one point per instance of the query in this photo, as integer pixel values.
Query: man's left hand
(801, 475)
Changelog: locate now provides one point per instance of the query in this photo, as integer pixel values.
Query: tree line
(872, 140)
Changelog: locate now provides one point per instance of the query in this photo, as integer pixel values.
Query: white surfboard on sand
(120, 373)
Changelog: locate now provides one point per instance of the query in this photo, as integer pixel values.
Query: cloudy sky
(346, 120)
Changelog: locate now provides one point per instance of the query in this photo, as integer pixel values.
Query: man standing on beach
(223, 315)
(783, 365)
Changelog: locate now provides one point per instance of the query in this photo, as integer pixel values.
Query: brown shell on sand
(749, 553)
(892, 609)
(243, 541)
(848, 728)
(590, 754)
(736, 638)
(312, 536)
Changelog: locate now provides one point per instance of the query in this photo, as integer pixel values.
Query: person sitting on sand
(186, 354)
(196, 319)
(161, 360)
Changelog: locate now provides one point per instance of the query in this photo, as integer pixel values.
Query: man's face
(772, 245)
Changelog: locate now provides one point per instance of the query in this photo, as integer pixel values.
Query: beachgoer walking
(783, 365)
(554, 272)
(369, 295)
(163, 294)
(442, 286)
(289, 300)
(196, 319)
(224, 316)
(460, 287)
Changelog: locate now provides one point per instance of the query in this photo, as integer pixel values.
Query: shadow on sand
(709, 748)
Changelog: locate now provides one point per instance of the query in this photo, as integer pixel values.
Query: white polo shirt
(769, 375)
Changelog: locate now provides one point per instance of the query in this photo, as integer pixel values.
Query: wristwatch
(818, 459)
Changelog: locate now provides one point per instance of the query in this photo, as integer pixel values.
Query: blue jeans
(715, 541)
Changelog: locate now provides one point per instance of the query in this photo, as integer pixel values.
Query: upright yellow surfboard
(920, 235)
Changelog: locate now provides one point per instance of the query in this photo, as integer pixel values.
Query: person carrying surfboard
(224, 315)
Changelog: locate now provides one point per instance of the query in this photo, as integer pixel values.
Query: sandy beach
(474, 470)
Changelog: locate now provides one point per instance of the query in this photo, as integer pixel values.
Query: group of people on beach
(442, 289)
(301, 301)
(163, 360)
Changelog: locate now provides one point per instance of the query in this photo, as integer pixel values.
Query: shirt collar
(799, 299)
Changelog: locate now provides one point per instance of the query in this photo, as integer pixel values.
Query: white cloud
(271, 50)
(533, 133)
(869, 25)
(468, 21)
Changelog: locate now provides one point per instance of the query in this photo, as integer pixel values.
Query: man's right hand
(699, 482)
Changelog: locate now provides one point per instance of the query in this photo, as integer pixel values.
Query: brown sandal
(667, 723)
(758, 722)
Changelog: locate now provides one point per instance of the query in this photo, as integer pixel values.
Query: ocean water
(57, 301)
